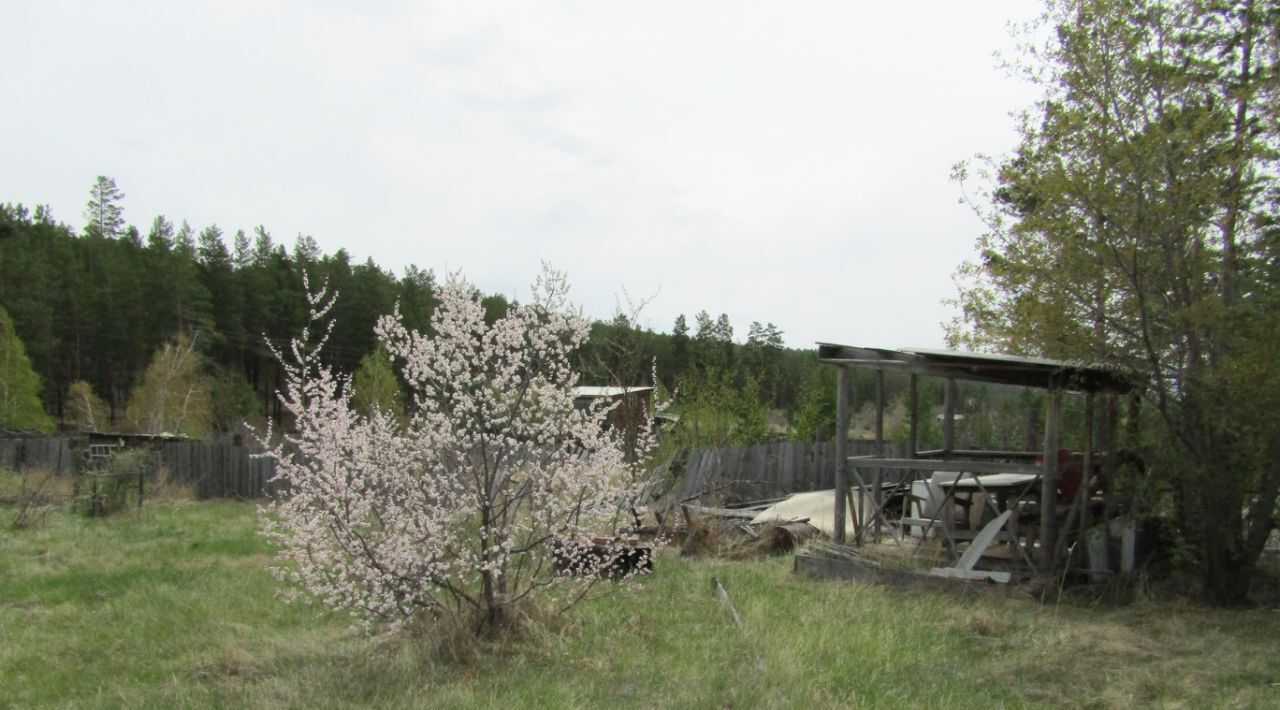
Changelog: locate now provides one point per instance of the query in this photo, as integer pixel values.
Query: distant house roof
(590, 391)
(984, 367)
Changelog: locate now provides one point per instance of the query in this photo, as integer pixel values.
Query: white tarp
(818, 506)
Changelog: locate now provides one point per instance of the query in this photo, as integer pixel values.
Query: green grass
(173, 607)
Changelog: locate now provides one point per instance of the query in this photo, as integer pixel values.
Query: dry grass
(33, 495)
(165, 489)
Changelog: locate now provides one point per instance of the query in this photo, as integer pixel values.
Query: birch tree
(173, 396)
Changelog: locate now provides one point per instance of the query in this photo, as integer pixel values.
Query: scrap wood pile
(736, 533)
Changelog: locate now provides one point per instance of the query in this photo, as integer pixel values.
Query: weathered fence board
(218, 470)
(50, 454)
(763, 471)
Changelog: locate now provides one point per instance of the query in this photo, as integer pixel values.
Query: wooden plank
(1049, 483)
(760, 460)
(946, 465)
(723, 512)
(877, 495)
(980, 543)
(842, 437)
(790, 468)
(977, 453)
(972, 575)
(825, 568)
(949, 415)
(913, 419)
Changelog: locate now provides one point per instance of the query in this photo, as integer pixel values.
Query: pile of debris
(737, 532)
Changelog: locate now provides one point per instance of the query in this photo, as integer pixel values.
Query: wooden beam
(862, 362)
(1112, 420)
(949, 415)
(1087, 464)
(1049, 483)
(877, 495)
(914, 419)
(963, 465)
(978, 454)
(1033, 429)
(842, 440)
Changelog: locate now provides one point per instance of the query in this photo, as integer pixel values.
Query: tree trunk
(1227, 574)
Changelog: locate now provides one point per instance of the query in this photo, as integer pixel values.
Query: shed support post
(842, 457)
(949, 417)
(876, 483)
(1033, 429)
(1090, 437)
(914, 420)
(1107, 439)
(1049, 483)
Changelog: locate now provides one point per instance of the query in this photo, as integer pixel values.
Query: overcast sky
(783, 162)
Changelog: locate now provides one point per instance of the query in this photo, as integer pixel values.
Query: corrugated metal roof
(984, 367)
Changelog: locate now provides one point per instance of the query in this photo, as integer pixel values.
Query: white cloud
(781, 162)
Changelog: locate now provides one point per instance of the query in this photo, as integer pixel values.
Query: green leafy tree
(715, 411)
(85, 409)
(375, 388)
(1135, 226)
(20, 406)
(174, 395)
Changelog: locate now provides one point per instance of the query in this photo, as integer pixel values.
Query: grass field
(173, 607)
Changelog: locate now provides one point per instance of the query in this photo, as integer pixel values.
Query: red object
(1070, 473)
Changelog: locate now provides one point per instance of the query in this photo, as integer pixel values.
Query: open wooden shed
(1037, 469)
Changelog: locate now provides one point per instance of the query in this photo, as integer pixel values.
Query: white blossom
(484, 496)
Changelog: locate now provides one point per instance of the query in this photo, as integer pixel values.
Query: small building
(633, 403)
(1063, 510)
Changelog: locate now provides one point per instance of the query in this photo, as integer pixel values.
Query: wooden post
(949, 417)
(1049, 484)
(876, 490)
(1133, 420)
(1033, 429)
(1078, 516)
(914, 419)
(1111, 419)
(842, 438)
(1087, 464)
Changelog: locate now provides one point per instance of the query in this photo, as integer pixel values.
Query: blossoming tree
(490, 491)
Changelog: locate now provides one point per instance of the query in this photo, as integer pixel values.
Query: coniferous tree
(679, 345)
(103, 214)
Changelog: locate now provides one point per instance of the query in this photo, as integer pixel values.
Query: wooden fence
(50, 454)
(219, 470)
(761, 472)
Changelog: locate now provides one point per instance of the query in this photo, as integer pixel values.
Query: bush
(119, 484)
(34, 494)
